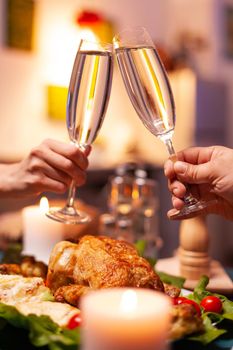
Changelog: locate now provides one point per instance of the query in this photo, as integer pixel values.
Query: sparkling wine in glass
(87, 101)
(149, 90)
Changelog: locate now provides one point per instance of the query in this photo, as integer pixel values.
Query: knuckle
(74, 151)
(35, 164)
(46, 142)
(68, 165)
(35, 152)
(187, 171)
(61, 187)
(193, 172)
(39, 151)
(66, 180)
(40, 179)
(34, 181)
(78, 156)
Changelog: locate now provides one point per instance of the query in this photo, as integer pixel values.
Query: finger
(68, 150)
(78, 175)
(51, 172)
(87, 150)
(169, 169)
(63, 178)
(193, 174)
(177, 188)
(177, 203)
(46, 184)
(174, 214)
(57, 161)
(196, 155)
(81, 179)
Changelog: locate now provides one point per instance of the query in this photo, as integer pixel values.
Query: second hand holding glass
(87, 101)
(149, 90)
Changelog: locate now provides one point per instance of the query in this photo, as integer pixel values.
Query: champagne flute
(87, 101)
(149, 90)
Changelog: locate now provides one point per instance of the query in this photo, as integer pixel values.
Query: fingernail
(173, 213)
(175, 191)
(167, 164)
(180, 167)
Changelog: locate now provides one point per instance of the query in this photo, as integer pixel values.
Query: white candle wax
(40, 233)
(125, 319)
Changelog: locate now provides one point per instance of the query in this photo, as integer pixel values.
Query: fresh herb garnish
(176, 281)
(211, 320)
(41, 329)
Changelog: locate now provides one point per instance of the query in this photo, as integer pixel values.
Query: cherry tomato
(183, 300)
(212, 303)
(74, 322)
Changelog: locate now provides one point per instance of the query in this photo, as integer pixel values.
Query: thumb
(194, 174)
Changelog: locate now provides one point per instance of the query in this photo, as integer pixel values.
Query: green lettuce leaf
(211, 319)
(42, 331)
(140, 245)
(170, 279)
(211, 332)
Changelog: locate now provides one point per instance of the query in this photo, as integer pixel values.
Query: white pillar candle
(40, 233)
(125, 319)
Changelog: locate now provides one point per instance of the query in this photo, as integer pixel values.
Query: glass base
(188, 210)
(68, 215)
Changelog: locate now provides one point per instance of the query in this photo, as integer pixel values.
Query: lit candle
(40, 233)
(125, 319)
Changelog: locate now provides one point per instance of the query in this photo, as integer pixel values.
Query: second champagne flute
(149, 90)
(87, 101)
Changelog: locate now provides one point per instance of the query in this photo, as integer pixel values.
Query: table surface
(224, 342)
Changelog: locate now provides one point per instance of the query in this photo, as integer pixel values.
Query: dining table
(11, 249)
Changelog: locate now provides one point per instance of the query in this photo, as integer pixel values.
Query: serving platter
(51, 327)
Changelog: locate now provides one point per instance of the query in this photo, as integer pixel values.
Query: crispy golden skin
(10, 269)
(32, 268)
(94, 263)
(29, 267)
(171, 290)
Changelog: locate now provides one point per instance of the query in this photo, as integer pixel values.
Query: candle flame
(129, 301)
(44, 205)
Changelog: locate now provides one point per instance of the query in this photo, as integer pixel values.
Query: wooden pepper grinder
(193, 250)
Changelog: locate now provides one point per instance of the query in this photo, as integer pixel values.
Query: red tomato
(212, 303)
(74, 322)
(183, 300)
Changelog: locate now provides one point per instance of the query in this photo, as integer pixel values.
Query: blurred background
(38, 42)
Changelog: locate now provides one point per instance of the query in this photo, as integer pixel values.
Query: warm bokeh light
(61, 44)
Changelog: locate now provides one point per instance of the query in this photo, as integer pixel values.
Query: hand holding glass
(87, 101)
(149, 90)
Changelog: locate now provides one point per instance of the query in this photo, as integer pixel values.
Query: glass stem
(72, 188)
(71, 194)
(171, 150)
(188, 197)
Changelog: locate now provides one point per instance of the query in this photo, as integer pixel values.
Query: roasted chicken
(94, 263)
(184, 321)
(28, 267)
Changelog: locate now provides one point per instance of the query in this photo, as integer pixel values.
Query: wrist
(8, 180)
